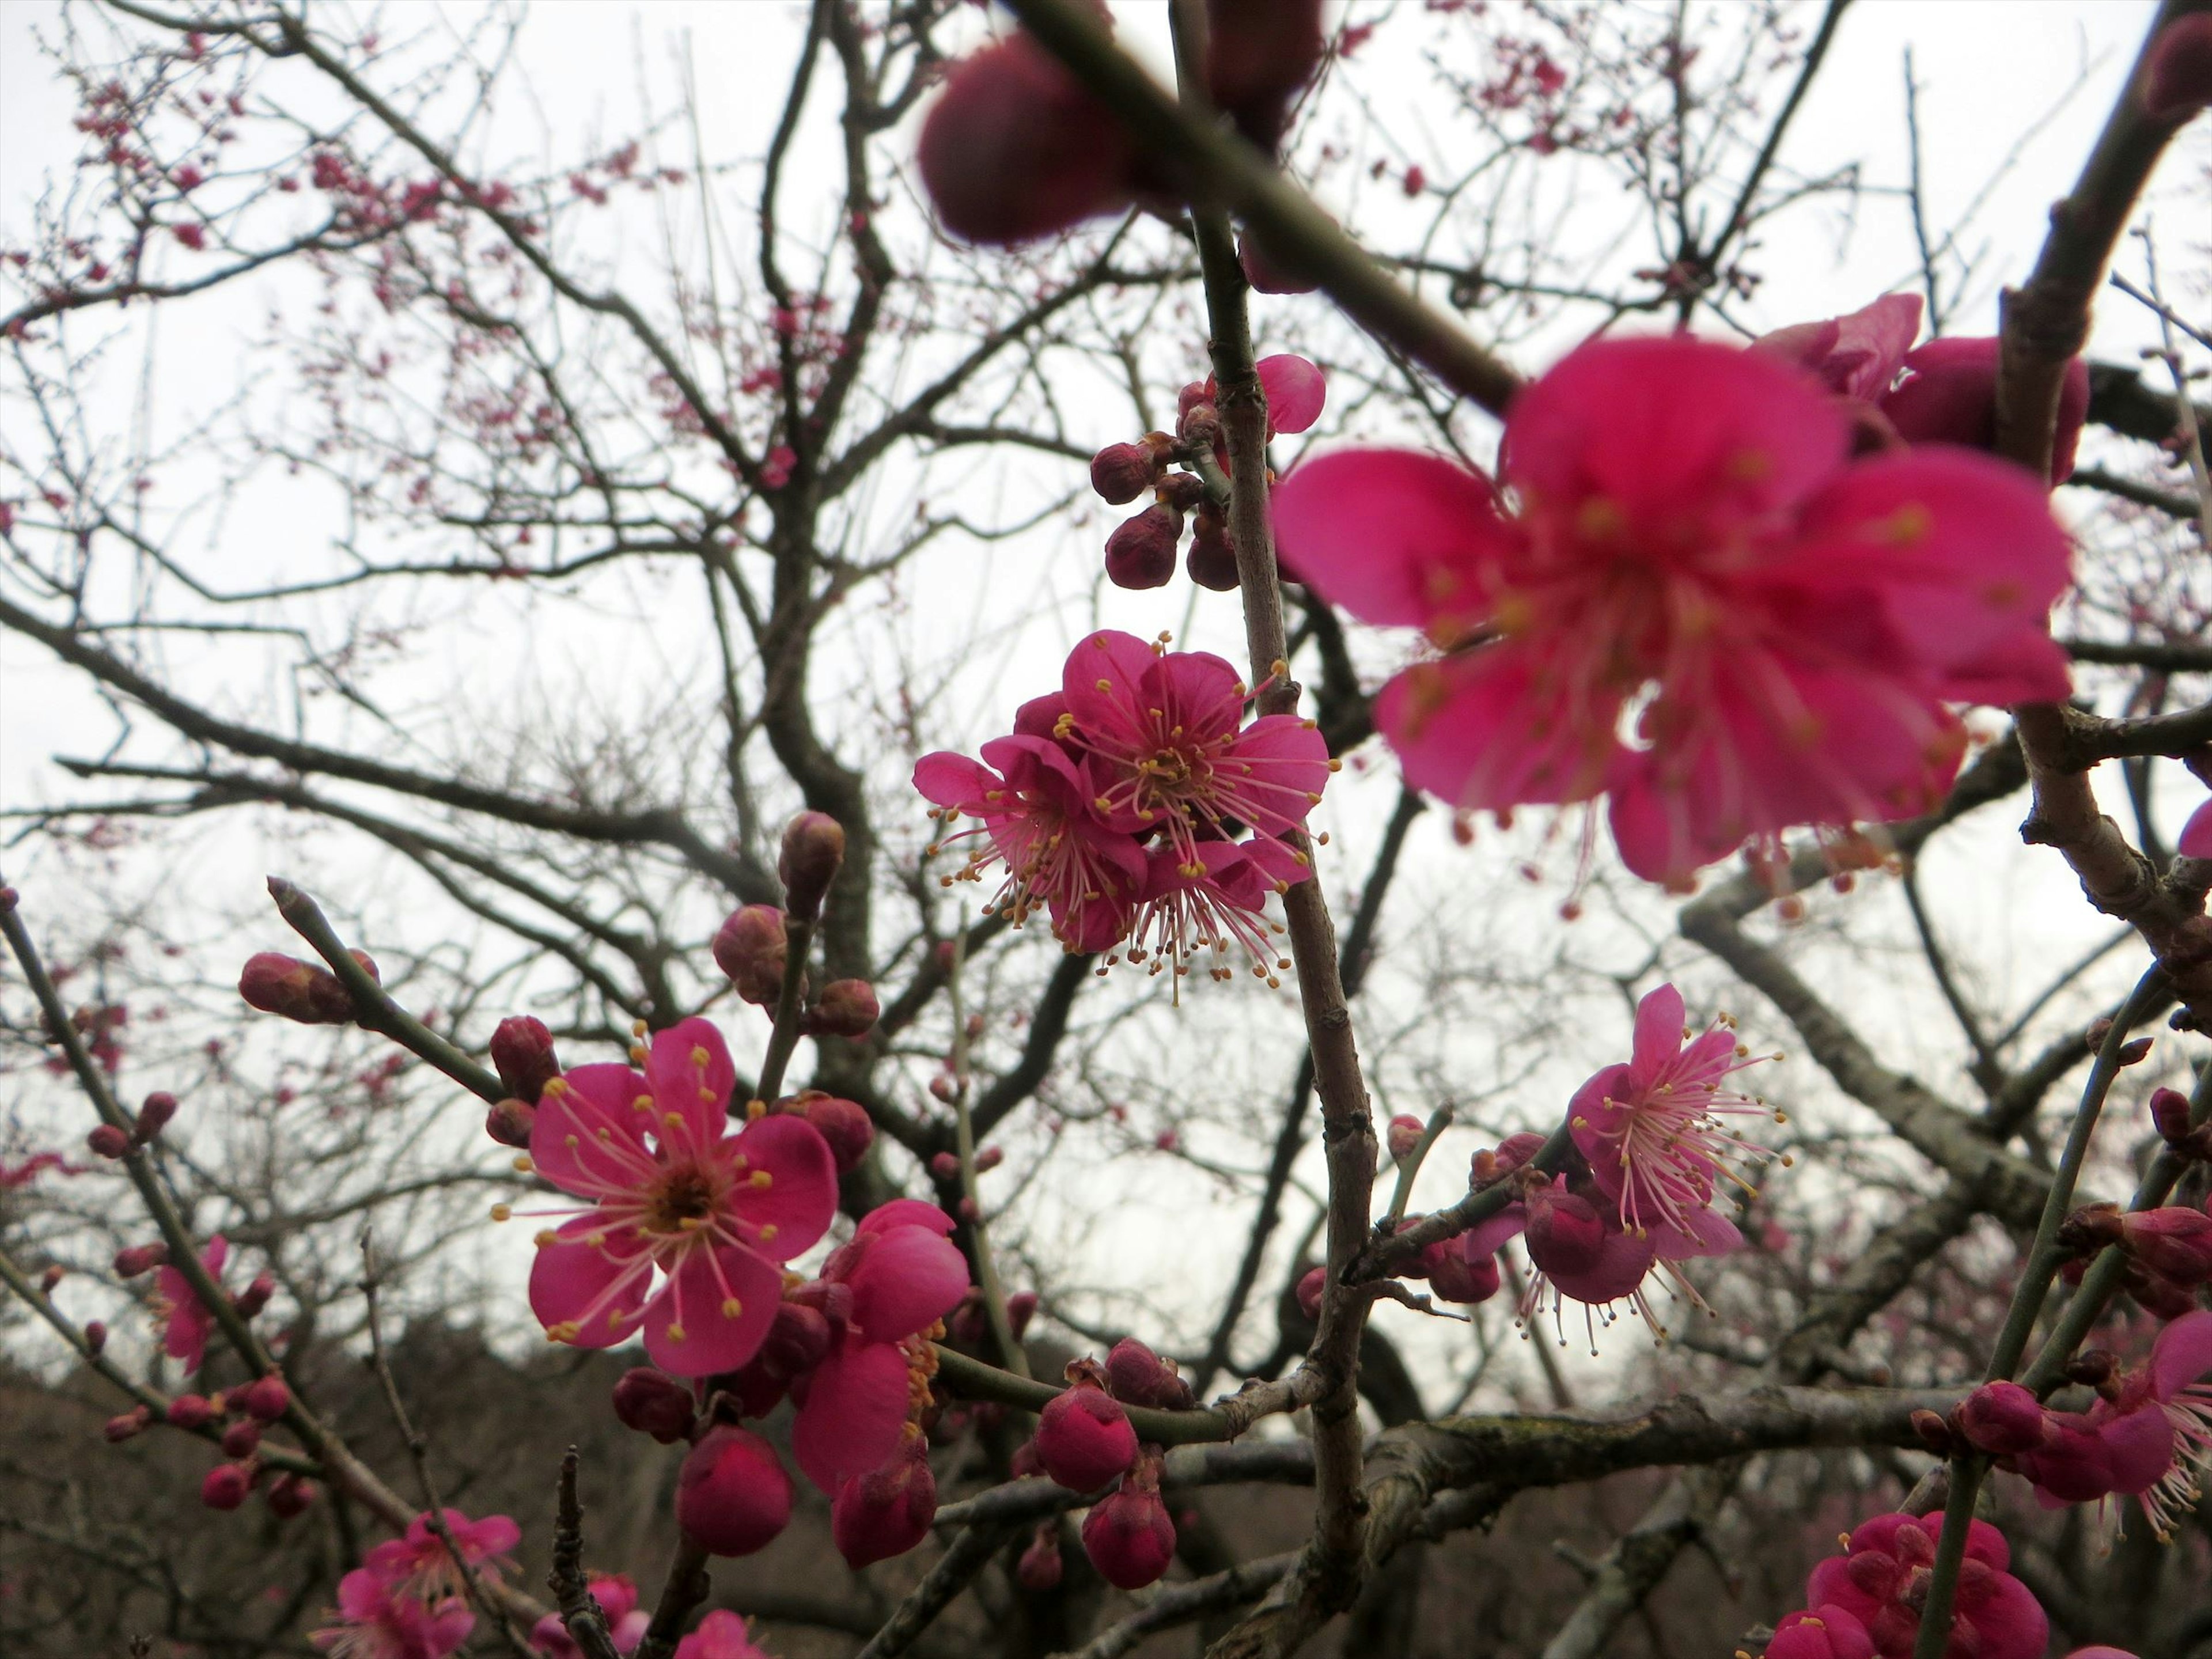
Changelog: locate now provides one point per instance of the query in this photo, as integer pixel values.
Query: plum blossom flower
(1217, 899)
(1882, 1582)
(616, 1594)
(670, 1197)
(419, 1565)
(1700, 607)
(1856, 356)
(899, 1276)
(1826, 1632)
(376, 1621)
(2149, 1437)
(721, 1635)
(1651, 1128)
(186, 1322)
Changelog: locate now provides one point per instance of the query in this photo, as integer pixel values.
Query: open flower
(1881, 1581)
(721, 1635)
(1215, 901)
(376, 1621)
(616, 1594)
(186, 1322)
(420, 1565)
(684, 1225)
(899, 1276)
(1701, 607)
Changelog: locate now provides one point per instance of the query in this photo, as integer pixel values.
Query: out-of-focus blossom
(377, 1621)
(1881, 1581)
(419, 1565)
(185, 1320)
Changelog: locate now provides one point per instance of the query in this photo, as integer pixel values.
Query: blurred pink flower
(1881, 1581)
(721, 1635)
(617, 1595)
(186, 1321)
(418, 1564)
(376, 1621)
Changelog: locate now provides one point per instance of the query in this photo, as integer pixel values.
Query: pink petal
(2182, 1355)
(2029, 666)
(575, 1282)
(1397, 539)
(2196, 838)
(951, 780)
(2010, 1623)
(1832, 1585)
(1659, 1021)
(909, 1278)
(1486, 1237)
(1197, 689)
(1295, 752)
(801, 1197)
(689, 1076)
(566, 1144)
(1708, 1233)
(1623, 1261)
(1102, 681)
(1473, 730)
(1670, 425)
(1591, 1121)
(1295, 390)
(907, 1213)
(693, 1298)
(2138, 1448)
(856, 1405)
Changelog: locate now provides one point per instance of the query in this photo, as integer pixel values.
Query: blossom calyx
(1183, 491)
(751, 947)
(266, 1399)
(1121, 472)
(2090, 1228)
(278, 984)
(1129, 1536)
(1083, 1438)
(154, 1115)
(510, 1121)
(1141, 1377)
(1141, 551)
(732, 1497)
(225, 1486)
(888, 1510)
(108, 1141)
(522, 1054)
(655, 1403)
(813, 851)
(846, 1008)
(2000, 1419)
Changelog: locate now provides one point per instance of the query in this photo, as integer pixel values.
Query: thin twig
(581, 1615)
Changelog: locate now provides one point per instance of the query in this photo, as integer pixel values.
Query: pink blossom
(186, 1321)
(1651, 1128)
(1692, 544)
(1881, 1581)
(1827, 1631)
(668, 1191)
(2195, 841)
(1950, 396)
(617, 1595)
(901, 1274)
(2149, 1437)
(721, 1635)
(420, 1565)
(377, 1621)
(1217, 900)
(1858, 356)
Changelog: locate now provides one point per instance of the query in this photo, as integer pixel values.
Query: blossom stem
(1410, 1169)
(986, 1271)
(799, 935)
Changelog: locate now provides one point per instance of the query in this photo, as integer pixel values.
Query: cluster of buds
(523, 1054)
(238, 1419)
(752, 947)
(2169, 1115)
(110, 1141)
(299, 990)
(1084, 1441)
(2168, 1251)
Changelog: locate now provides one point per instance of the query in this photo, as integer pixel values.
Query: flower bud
(844, 1124)
(988, 1158)
(2091, 1228)
(1564, 1233)
(946, 1166)
(51, 1277)
(1212, 560)
(2169, 1112)
(2092, 1368)
(2134, 1050)
(732, 1497)
(888, 1510)
(265, 1398)
(190, 1411)
(1130, 1537)
(509, 1122)
(1258, 54)
(1264, 271)
(2000, 1419)
(944, 1088)
(1455, 1277)
(1200, 425)
(1183, 491)
(242, 1438)
(1141, 551)
(2173, 1241)
(1083, 1438)
(153, 1115)
(1121, 472)
(135, 1259)
(130, 1423)
(1402, 1136)
(1934, 1433)
(1141, 1377)
(655, 1404)
(225, 1486)
(282, 985)
(1310, 1291)
(1021, 1307)
(108, 1141)
(1024, 1462)
(813, 848)
(751, 947)
(2176, 78)
(254, 1297)
(1039, 1568)
(289, 1496)
(1823, 1632)
(522, 1054)
(846, 1008)
(95, 1337)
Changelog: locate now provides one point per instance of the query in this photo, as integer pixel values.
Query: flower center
(685, 1194)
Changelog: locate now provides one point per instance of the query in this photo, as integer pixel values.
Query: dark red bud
(1025, 1461)
(2177, 78)
(130, 1423)
(886, 1511)
(846, 1008)
(190, 1411)
(1565, 1234)
(153, 1115)
(1934, 1433)
(732, 1497)
(1999, 1418)
(108, 1141)
(1258, 54)
(1130, 1537)
(989, 1158)
(2093, 1368)
(1021, 1307)
(225, 1486)
(290, 1495)
(241, 1439)
(1040, 1566)
(751, 947)
(282, 985)
(1454, 1278)
(522, 1054)
(509, 1122)
(2091, 1228)
(2099, 1028)
(946, 1166)
(799, 1340)
(1183, 491)
(944, 1088)
(655, 1404)
(266, 1399)
(2169, 1112)
(1402, 1136)
(2173, 1241)
(255, 1296)
(1121, 472)
(1200, 425)
(844, 1124)
(966, 1210)
(1264, 271)
(95, 1337)
(2134, 1050)
(1141, 1377)
(813, 849)
(1141, 551)
(1212, 558)
(53, 1275)
(1310, 1291)
(1083, 1438)
(135, 1259)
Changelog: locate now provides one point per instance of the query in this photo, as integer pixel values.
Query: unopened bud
(1262, 271)
(732, 1496)
(1040, 1566)
(888, 1510)
(282, 985)
(2169, 1112)
(1021, 1307)
(225, 1486)
(242, 1438)
(1200, 425)
(751, 947)
(944, 1088)
(289, 1496)
(846, 1008)
(153, 1115)
(655, 1404)
(130, 1423)
(54, 1274)
(255, 1296)
(108, 1141)
(2176, 77)
(1183, 491)
(190, 1411)
(95, 1337)
(522, 1054)
(1140, 1377)
(813, 848)
(1310, 1292)
(1212, 560)
(1141, 551)
(2091, 1228)
(2092, 1368)
(967, 1211)
(509, 1122)
(989, 1158)
(844, 1124)
(1129, 1536)
(264, 1399)
(2000, 1419)
(1402, 1136)
(135, 1259)
(946, 1166)
(2134, 1050)
(1934, 1433)
(1121, 472)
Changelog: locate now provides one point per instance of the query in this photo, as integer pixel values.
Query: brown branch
(581, 1615)
(970, 1552)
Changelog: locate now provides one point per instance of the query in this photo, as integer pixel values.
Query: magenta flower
(1881, 1581)
(1651, 1128)
(1858, 356)
(2195, 841)
(899, 1277)
(721, 1635)
(1823, 1632)
(1950, 396)
(1216, 899)
(668, 1192)
(186, 1322)
(418, 1564)
(2149, 1437)
(1693, 548)
(376, 1621)
(616, 1594)
(1036, 814)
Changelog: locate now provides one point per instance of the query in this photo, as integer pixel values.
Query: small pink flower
(1881, 1581)
(1215, 902)
(617, 1595)
(418, 1565)
(186, 1321)
(721, 1635)
(899, 1276)
(1651, 1128)
(376, 1621)
(670, 1192)
(1823, 1632)
(1691, 544)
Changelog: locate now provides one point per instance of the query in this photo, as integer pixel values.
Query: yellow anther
(522, 1164)
(596, 1239)
(500, 1213)
(700, 1057)
(1105, 685)
(760, 1181)
(554, 1087)
(706, 1094)
(731, 1307)
(545, 1235)
(636, 1054)
(755, 1108)
(642, 1104)
(767, 1232)
(637, 1028)
(567, 1331)
(604, 1133)
(673, 1120)
(570, 1142)
(675, 1333)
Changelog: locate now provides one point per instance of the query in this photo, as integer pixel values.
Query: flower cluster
(405, 1600)
(1114, 807)
(1686, 594)
(616, 1594)
(1084, 1442)
(1865, 1603)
